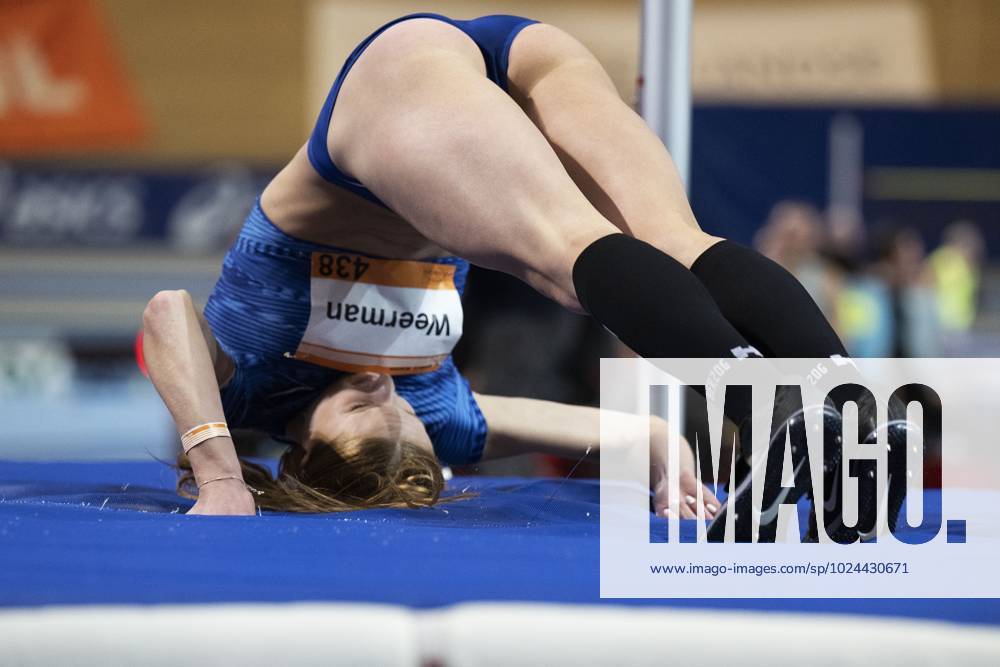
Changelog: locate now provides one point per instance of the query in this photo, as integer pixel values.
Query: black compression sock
(654, 304)
(766, 303)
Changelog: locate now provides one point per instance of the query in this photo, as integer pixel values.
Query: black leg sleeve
(766, 303)
(656, 306)
(651, 302)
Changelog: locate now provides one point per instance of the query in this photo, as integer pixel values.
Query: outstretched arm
(524, 425)
(186, 366)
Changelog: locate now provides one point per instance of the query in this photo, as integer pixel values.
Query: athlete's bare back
(305, 206)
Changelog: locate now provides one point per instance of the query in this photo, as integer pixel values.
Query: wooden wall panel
(967, 47)
(218, 78)
(233, 79)
(966, 42)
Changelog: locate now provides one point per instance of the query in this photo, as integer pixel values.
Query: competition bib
(380, 315)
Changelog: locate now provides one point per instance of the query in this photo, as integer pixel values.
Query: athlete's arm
(186, 365)
(523, 425)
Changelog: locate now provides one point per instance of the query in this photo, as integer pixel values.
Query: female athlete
(498, 141)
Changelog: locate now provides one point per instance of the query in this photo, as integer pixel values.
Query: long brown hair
(340, 476)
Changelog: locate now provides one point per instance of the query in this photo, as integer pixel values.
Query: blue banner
(194, 210)
(923, 168)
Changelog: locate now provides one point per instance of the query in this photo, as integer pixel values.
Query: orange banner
(62, 86)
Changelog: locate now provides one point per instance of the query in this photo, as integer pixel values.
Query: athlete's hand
(225, 498)
(687, 504)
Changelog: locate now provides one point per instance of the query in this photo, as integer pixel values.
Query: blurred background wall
(195, 61)
(264, 66)
(855, 141)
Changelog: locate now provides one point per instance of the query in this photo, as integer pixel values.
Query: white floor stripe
(475, 635)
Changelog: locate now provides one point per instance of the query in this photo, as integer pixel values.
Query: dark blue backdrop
(744, 160)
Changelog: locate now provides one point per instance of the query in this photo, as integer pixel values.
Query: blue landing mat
(114, 533)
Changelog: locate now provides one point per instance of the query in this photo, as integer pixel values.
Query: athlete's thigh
(420, 125)
(610, 152)
(389, 68)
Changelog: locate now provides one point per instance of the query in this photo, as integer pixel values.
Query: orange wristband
(203, 432)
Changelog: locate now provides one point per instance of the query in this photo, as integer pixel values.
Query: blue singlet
(260, 305)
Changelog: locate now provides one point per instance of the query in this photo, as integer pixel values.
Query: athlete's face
(365, 405)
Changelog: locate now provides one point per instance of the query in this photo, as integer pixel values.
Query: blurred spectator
(793, 237)
(888, 308)
(864, 313)
(863, 306)
(35, 368)
(900, 262)
(846, 237)
(956, 267)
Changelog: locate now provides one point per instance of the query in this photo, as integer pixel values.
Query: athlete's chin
(368, 382)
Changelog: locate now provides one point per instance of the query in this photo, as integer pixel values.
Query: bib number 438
(344, 267)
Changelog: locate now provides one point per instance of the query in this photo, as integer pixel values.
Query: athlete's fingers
(689, 496)
(663, 509)
(661, 499)
(666, 513)
(688, 505)
(711, 503)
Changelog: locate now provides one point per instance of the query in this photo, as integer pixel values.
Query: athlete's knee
(684, 241)
(548, 261)
(559, 288)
